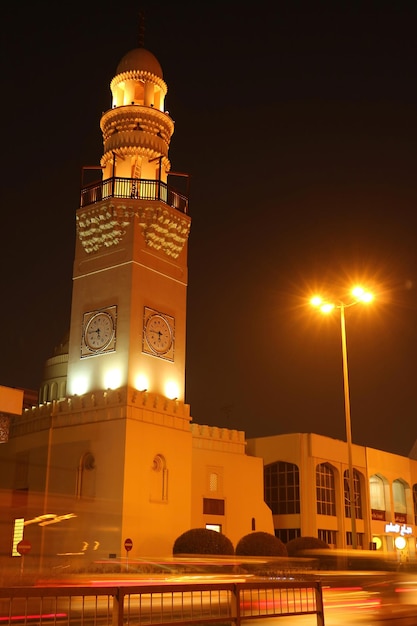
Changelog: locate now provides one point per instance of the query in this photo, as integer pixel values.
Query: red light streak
(41, 616)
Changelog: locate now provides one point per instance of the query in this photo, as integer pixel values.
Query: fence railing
(161, 604)
(133, 188)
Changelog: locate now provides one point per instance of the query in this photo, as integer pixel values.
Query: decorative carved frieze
(164, 230)
(102, 226)
(106, 225)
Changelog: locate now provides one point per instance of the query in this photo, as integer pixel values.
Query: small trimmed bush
(296, 547)
(202, 541)
(260, 544)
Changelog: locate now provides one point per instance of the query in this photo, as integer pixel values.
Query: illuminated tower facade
(111, 452)
(128, 317)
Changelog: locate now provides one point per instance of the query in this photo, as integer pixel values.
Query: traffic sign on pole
(23, 547)
(128, 545)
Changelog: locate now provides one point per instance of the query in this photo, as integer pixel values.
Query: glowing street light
(359, 295)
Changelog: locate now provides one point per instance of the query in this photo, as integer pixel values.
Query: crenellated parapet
(100, 406)
(219, 439)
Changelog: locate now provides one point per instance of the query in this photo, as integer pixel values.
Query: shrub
(202, 541)
(296, 547)
(260, 544)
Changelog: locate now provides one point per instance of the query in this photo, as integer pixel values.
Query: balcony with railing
(133, 189)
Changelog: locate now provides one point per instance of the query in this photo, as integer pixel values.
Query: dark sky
(297, 124)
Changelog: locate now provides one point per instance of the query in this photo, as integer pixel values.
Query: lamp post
(359, 295)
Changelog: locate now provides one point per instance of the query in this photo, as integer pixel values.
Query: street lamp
(359, 295)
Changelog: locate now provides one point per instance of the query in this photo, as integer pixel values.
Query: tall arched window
(54, 391)
(282, 488)
(63, 389)
(415, 502)
(159, 479)
(377, 497)
(325, 490)
(45, 392)
(86, 476)
(399, 490)
(356, 494)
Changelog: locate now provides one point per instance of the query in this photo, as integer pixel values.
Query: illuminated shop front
(306, 483)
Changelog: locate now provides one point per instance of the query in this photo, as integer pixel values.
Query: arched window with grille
(357, 496)
(399, 494)
(325, 490)
(282, 488)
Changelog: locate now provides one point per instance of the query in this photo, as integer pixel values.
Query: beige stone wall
(306, 450)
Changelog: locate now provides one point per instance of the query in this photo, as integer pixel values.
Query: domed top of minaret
(142, 60)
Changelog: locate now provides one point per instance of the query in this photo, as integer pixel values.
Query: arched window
(86, 476)
(399, 492)
(377, 491)
(45, 392)
(63, 389)
(54, 391)
(159, 479)
(325, 490)
(282, 488)
(415, 502)
(356, 494)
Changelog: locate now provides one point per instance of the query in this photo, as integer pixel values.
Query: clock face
(99, 331)
(158, 334)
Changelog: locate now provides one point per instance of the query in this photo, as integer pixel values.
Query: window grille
(282, 488)
(356, 494)
(325, 490)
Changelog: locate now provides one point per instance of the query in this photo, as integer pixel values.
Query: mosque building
(110, 452)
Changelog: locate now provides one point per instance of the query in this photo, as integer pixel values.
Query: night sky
(297, 124)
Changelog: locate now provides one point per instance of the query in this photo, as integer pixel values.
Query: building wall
(307, 451)
(88, 472)
(223, 471)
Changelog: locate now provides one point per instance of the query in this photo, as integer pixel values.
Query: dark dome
(140, 59)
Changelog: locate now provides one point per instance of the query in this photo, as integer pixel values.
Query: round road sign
(128, 545)
(23, 547)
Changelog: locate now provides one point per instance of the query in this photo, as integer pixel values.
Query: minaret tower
(115, 455)
(128, 316)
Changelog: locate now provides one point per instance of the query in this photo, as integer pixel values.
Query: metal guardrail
(163, 604)
(135, 189)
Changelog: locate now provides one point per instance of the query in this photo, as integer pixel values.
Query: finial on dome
(141, 29)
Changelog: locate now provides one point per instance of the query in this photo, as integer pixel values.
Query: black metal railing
(162, 603)
(133, 188)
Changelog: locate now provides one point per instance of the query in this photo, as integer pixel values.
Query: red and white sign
(128, 545)
(23, 547)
